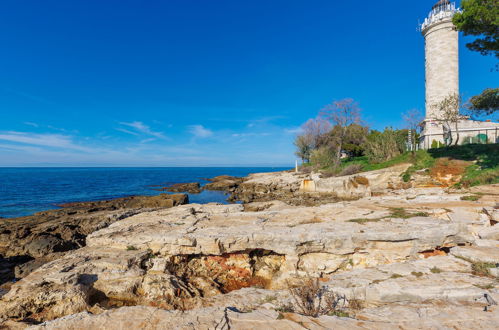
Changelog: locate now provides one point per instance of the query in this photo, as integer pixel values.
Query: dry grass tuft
(313, 299)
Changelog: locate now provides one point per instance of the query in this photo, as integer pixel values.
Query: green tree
(353, 138)
(480, 18)
(304, 147)
(486, 103)
(341, 114)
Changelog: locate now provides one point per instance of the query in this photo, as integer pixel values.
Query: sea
(24, 191)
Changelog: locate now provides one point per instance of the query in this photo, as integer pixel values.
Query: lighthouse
(442, 81)
(441, 56)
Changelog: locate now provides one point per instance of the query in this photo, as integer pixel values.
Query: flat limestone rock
(440, 278)
(208, 259)
(411, 316)
(318, 240)
(488, 254)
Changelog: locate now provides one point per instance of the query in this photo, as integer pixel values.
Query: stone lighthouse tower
(442, 81)
(442, 56)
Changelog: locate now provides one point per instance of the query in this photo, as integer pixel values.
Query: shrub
(384, 146)
(323, 157)
(436, 144)
(406, 177)
(313, 299)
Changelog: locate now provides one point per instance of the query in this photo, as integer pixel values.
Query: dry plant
(313, 299)
(449, 110)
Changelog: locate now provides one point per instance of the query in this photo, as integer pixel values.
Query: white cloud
(147, 140)
(31, 124)
(250, 134)
(200, 131)
(294, 130)
(46, 140)
(127, 131)
(142, 128)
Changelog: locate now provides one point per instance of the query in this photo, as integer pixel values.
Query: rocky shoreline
(400, 254)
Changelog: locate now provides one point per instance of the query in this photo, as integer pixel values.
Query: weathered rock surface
(133, 202)
(414, 316)
(409, 256)
(312, 189)
(192, 187)
(223, 183)
(363, 184)
(45, 233)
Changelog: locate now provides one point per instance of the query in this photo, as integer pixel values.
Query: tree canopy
(486, 103)
(480, 18)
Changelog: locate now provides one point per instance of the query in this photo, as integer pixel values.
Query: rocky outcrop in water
(223, 183)
(192, 187)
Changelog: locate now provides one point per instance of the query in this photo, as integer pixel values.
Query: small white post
(296, 165)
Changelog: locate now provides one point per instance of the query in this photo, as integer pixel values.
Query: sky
(202, 83)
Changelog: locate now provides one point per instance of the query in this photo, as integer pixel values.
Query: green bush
(323, 157)
(383, 146)
(406, 177)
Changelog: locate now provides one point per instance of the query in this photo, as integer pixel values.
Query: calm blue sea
(24, 191)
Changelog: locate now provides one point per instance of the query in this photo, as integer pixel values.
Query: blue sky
(201, 83)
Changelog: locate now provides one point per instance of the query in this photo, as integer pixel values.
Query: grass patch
(395, 212)
(472, 198)
(479, 268)
(395, 275)
(364, 220)
(398, 212)
(131, 248)
(339, 314)
(486, 286)
(485, 170)
(310, 221)
(435, 270)
(482, 268)
(269, 299)
(417, 274)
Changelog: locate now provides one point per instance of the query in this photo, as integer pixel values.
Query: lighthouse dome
(441, 4)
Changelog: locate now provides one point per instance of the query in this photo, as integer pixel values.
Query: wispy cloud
(293, 130)
(140, 127)
(31, 124)
(262, 121)
(200, 131)
(250, 134)
(46, 140)
(148, 140)
(127, 131)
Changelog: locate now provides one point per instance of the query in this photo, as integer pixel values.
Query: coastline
(25, 191)
(369, 231)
